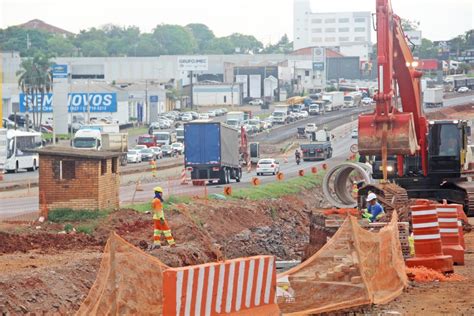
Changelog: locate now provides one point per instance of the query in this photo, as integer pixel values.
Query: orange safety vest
(157, 209)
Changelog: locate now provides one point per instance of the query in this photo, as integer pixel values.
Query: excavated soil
(464, 112)
(44, 272)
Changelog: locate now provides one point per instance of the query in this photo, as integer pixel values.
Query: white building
(216, 93)
(347, 32)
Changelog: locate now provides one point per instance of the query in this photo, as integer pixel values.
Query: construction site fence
(356, 267)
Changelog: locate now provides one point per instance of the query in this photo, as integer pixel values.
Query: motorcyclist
(297, 155)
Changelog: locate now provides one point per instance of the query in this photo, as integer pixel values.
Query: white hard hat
(371, 197)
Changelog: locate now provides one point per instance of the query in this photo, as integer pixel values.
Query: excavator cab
(447, 145)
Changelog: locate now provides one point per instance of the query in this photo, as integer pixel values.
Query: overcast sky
(268, 20)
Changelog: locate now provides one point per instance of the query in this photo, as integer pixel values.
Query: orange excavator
(425, 158)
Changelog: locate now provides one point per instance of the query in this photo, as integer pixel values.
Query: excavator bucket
(400, 134)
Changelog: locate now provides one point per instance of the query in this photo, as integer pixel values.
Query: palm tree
(35, 80)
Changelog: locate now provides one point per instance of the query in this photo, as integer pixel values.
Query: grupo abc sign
(77, 102)
(193, 63)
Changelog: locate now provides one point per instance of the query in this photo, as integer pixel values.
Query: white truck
(94, 139)
(235, 119)
(433, 97)
(352, 100)
(180, 134)
(165, 138)
(336, 100)
(103, 128)
(280, 114)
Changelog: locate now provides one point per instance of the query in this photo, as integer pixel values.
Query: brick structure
(79, 179)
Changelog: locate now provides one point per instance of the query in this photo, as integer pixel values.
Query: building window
(316, 20)
(343, 29)
(344, 20)
(318, 30)
(330, 30)
(225, 99)
(330, 39)
(64, 169)
(359, 20)
(330, 21)
(344, 39)
(306, 73)
(103, 167)
(317, 39)
(359, 39)
(114, 165)
(359, 29)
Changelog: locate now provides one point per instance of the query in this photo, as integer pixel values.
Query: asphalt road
(23, 205)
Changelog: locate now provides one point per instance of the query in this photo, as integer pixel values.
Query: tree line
(117, 41)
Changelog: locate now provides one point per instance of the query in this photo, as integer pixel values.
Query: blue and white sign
(318, 66)
(59, 71)
(77, 102)
(153, 98)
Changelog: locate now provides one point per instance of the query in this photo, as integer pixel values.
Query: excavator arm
(392, 130)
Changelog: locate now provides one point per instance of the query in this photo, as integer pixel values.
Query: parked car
(268, 166)
(355, 133)
(187, 117)
(367, 101)
(179, 147)
(256, 102)
(463, 89)
(158, 152)
(20, 120)
(212, 113)
(195, 115)
(167, 150)
(147, 154)
(203, 116)
(6, 123)
(134, 155)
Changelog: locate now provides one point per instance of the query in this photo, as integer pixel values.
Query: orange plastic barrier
(314, 170)
(244, 286)
(428, 251)
(301, 173)
(355, 267)
(448, 228)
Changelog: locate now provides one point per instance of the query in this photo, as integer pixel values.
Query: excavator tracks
(467, 187)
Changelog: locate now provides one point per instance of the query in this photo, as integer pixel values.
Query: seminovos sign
(77, 102)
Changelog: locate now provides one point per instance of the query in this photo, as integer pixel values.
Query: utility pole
(191, 85)
(147, 110)
(88, 102)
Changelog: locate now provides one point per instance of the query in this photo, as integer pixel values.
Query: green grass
(279, 189)
(68, 215)
(86, 229)
(49, 136)
(135, 131)
(145, 207)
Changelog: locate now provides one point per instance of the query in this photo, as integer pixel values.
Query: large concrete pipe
(335, 183)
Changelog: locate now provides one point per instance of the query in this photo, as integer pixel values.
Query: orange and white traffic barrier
(461, 218)
(244, 286)
(427, 237)
(184, 179)
(448, 227)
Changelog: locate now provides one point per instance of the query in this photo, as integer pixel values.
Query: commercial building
(347, 32)
(210, 93)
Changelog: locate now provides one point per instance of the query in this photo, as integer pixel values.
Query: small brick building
(78, 179)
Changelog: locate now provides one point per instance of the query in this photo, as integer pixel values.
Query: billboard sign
(77, 102)
(193, 63)
(59, 71)
(319, 55)
(318, 66)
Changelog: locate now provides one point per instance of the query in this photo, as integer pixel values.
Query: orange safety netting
(129, 282)
(355, 267)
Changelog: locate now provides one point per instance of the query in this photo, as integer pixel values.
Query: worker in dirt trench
(160, 224)
(374, 209)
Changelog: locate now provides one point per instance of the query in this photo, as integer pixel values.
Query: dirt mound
(45, 242)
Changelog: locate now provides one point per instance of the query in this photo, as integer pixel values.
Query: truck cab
(164, 138)
(87, 139)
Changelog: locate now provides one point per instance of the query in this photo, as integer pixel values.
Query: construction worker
(160, 224)
(374, 210)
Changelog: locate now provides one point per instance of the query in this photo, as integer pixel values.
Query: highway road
(22, 205)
